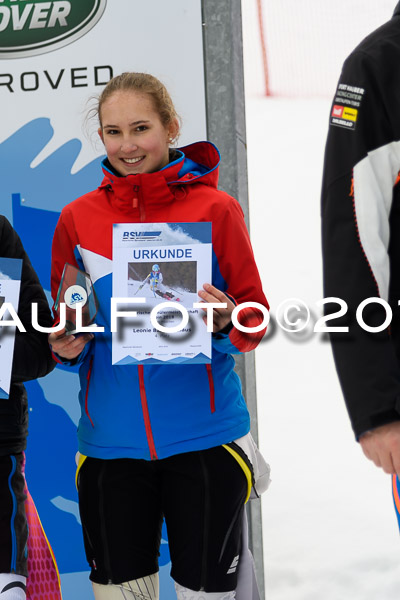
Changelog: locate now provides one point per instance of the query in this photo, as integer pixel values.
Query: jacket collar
(169, 172)
(194, 163)
(397, 10)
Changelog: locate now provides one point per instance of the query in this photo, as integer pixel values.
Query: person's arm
(382, 446)
(32, 357)
(68, 350)
(361, 165)
(221, 316)
(236, 275)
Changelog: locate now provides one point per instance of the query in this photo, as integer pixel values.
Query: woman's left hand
(221, 316)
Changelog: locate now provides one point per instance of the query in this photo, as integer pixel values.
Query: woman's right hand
(68, 346)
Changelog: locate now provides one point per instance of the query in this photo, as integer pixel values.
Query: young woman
(159, 440)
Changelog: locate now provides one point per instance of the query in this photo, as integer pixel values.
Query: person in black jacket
(32, 358)
(361, 241)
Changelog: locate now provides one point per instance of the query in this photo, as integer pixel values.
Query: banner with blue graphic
(54, 57)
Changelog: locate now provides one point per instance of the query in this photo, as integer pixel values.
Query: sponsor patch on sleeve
(346, 105)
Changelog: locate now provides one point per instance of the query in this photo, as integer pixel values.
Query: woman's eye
(112, 131)
(141, 128)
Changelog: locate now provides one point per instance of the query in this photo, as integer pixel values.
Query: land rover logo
(30, 27)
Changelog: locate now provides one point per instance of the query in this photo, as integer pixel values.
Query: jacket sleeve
(63, 251)
(32, 357)
(236, 274)
(361, 166)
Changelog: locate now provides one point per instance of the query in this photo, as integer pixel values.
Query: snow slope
(328, 522)
(329, 527)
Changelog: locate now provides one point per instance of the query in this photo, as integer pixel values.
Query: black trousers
(13, 524)
(200, 494)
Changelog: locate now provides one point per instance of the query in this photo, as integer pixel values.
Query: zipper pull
(135, 199)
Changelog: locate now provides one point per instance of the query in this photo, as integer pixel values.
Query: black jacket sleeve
(359, 224)
(32, 355)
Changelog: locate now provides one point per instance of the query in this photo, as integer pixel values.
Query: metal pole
(226, 127)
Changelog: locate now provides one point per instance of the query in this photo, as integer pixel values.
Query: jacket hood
(195, 162)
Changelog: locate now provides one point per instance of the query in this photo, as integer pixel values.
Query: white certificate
(164, 265)
(10, 283)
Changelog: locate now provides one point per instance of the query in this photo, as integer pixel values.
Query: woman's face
(134, 138)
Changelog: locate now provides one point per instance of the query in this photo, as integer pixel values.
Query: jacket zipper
(211, 384)
(137, 202)
(87, 390)
(107, 563)
(146, 416)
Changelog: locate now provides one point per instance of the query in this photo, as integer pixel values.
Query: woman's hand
(68, 346)
(221, 316)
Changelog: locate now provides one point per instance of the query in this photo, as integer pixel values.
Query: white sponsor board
(162, 38)
(49, 156)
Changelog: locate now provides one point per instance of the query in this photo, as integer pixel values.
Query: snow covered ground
(136, 287)
(328, 522)
(329, 526)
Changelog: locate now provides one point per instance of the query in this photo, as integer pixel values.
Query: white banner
(54, 56)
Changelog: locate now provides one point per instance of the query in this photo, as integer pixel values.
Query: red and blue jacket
(155, 411)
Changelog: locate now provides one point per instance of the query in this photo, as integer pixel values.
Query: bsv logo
(74, 295)
(142, 236)
(30, 27)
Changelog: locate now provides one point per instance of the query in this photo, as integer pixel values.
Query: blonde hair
(143, 83)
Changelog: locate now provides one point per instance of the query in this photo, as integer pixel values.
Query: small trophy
(77, 292)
